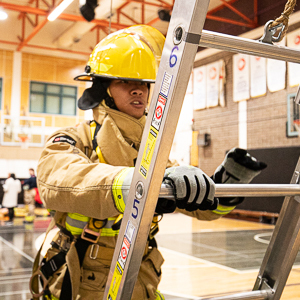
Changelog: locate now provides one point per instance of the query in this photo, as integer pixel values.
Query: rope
(284, 17)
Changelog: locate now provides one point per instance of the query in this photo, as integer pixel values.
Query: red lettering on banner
(200, 76)
(212, 73)
(241, 64)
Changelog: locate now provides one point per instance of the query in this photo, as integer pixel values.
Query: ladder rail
(182, 41)
(176, 64)
(251, 47)
(284, 245)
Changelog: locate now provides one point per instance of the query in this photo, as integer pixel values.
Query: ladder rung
(251, 47)
(244, 190)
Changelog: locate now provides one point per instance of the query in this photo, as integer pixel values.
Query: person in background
(30, 187)
(11, 188)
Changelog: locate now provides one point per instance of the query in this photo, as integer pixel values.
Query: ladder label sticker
(165, 86)
(148, 151)
(115, 283)
(130, 229)
(159, 110)
(124, 253)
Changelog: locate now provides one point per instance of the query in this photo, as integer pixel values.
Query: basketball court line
(16, 249)
(15, 293)
(206, 262)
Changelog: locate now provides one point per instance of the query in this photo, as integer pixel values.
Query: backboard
(22, 131)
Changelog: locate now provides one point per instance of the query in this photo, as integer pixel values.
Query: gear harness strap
(73, 248)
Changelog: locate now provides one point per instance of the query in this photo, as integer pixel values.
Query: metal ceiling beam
(251, 23)
(32, 34)
(230, 21)
(238, 12)
(116, 25)
(46, 48)
(66, 17)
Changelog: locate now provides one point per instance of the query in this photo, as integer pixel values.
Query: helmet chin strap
(109, 100)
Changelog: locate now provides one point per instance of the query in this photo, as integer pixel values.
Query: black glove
(238, 167)
(165, 206)
(193, 188)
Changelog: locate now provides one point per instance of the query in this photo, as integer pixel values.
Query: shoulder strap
(95, 127)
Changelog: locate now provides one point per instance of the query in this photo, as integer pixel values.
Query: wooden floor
(202, 259)
(193, 268)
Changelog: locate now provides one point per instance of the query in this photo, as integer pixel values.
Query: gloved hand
(120, 190)
(238, 167)
(193, 188)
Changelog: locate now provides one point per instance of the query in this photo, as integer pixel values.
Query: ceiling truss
(31, 14)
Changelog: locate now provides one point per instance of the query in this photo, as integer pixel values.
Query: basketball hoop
(24, 141)
(297, 125)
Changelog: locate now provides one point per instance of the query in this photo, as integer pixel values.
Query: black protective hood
(92, 96)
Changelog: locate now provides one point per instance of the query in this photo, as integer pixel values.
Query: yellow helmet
(133, 53)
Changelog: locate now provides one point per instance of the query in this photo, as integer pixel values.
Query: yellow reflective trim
(108, 232)
(74, 230)
(52, 297)
(159, 296)
(100, 156)
(223, 210)
(78, 217)
(117, 189)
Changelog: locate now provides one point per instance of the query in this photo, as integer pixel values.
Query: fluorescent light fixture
(59, 9)
(3, 14)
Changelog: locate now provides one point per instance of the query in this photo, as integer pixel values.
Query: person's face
(130, 96)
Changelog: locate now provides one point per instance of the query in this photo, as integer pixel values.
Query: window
(0, 93)
(293, 116)
(52, 98)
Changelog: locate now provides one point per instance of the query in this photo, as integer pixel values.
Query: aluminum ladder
(184, 36)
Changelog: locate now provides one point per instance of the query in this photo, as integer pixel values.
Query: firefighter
(82, 170)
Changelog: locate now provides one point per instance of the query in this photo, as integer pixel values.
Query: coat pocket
(150, 274)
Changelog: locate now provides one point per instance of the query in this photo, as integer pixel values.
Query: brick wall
(266, 120)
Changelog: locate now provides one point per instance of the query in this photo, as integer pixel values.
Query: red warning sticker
(159, 110)
(124, 253)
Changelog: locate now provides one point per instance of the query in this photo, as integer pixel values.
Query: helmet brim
(90, 76)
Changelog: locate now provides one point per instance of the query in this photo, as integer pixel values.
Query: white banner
(258, 76)
(241, 78)
(276, 70)
(222, 81)
(212, 75)
(276, 75)
(293, 41)
(199, 87)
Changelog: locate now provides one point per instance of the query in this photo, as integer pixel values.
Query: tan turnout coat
(71, 179)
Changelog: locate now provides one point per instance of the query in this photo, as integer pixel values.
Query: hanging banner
(258, 76)
(212, 83)
(222, 81)
(276, 70)
(293, 41)
(199, 87)
(241, 77)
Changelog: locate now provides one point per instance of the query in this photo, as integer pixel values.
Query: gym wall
(266, 121)
(46, 69)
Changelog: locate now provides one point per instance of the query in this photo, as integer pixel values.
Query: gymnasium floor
(202, 259)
